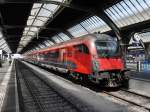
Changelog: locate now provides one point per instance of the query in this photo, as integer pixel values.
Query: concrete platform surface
(140, 75)
(139, 82)
(76, 92)
(8, 89)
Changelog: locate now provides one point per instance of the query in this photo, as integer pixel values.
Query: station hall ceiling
(14, 15)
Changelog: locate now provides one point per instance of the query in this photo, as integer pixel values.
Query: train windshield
(107, 48)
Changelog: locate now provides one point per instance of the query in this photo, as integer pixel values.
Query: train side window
(53, 54)
(85, 49)
(82, 48)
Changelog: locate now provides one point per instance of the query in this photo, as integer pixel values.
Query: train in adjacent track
(96, 57)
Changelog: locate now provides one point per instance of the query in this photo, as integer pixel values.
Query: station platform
(80, 96)
(8, 88)
(144, 75)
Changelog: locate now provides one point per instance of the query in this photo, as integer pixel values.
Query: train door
(83, 58)
(64, 57)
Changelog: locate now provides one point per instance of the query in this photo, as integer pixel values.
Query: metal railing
(139, 66)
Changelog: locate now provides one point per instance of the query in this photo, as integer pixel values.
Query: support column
(147, 52)
(109, 22)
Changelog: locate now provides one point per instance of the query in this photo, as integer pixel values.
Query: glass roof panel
(77, 30)
(44, 12)
(3, 45)
(64, 36)
(25, 32)
(57, 39)
(26, 28)
(129, 12)
(31, 33)
(31, 17)
(34, 11)
(42, 18)
(51, 7)
(51, 42)
(1, 35)
(41, 45)
(29, 22)
(2, 41)
(37, 5)
(94, 24)
(35, 29)
(39, 15)
(38, 23)
(47, 43)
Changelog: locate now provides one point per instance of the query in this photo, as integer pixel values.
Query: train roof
(102, 37)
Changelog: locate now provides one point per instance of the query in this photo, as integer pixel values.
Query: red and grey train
(97, 57)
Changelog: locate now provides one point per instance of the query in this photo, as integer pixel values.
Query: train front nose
(107, 64)
(109, 71)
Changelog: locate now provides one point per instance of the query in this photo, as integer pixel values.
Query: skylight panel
(34, 12)
(77, 31)
(44, 19)
(47, 43)
(36, 5)
(38, 23)
(56, 39)
(4, 47)
(51, 7)
(31, 17)
(31, 33)
(64, 36)
(29, 22)
(51, 42)
(34, 29)
(39, 15)
(129, 12)
(1, 35)
(44, 12)
(27, 28)
(3, 44)
(90, 25)
(2, 41)
(94, 24)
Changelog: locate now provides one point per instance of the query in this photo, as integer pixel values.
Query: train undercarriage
(114, 78)
(105, 79)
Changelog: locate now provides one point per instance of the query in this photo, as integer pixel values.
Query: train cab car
(97, 57)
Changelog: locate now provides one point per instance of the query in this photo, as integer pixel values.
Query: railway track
(41, 96)
(131, 98)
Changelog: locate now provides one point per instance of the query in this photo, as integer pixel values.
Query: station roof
(35, 24)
